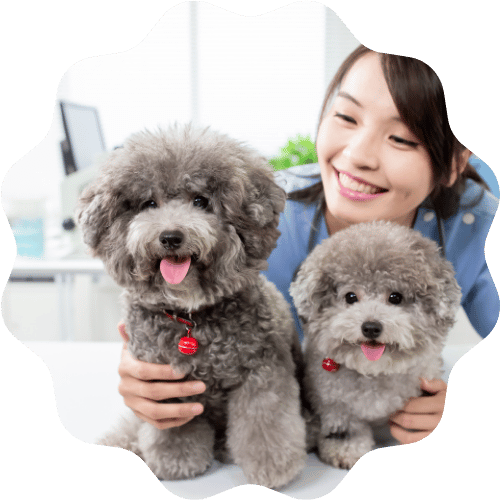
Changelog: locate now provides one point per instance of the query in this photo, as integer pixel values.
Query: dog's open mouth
(174, 268)
(372, 350)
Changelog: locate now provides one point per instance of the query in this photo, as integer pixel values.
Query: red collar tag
(330, 366)
(187, 345)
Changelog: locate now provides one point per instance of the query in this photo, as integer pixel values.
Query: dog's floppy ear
(267, 199)
(312, 289)
(448, 290)
(442, 293)
(94, 213)
(263, 208)
(452, 293)
(253, 203)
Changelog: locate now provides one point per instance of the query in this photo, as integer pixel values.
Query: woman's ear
(458, 166)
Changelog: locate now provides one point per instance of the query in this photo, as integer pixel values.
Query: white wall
(260, 79)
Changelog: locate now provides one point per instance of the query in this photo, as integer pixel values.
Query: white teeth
(349, 183)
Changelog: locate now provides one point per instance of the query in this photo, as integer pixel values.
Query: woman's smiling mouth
(355, 189)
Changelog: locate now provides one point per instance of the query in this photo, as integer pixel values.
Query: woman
(385, 151)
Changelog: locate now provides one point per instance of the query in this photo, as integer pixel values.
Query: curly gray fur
(373, 261)
(248, 349)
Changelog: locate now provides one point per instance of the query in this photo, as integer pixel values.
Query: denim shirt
(464, 235)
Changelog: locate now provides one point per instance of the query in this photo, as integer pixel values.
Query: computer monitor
(81, 149)
(84, 140)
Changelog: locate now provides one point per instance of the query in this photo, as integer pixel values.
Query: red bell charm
(329, 365)
(188, 345)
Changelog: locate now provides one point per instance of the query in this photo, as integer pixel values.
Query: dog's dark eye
(350, 298)
(148, 204)
(395, 298)
(200, 202)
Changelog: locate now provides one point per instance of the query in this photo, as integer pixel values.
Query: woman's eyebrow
(348, 96)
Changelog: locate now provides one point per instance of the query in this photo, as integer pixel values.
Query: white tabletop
(85, 382)
(35, 268)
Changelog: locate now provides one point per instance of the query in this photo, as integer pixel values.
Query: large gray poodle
(184, 221)
(377, 301)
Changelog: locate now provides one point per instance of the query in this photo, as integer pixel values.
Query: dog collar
(330, 366)
(187, 345)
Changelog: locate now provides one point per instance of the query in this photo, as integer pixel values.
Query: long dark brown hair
(419, 98)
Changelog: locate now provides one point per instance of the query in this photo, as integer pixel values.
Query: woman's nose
(363, 149)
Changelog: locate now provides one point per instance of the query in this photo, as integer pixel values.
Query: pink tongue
(371, 352)
(174, 273)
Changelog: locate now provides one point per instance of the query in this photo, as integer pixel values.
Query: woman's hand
(143, 385)
(420, 416)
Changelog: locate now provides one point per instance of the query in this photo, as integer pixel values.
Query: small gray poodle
(377, 301)
(184, 221)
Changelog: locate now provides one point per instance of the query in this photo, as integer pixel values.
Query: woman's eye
(148, 204)
(404, 142)
(395, 298)
(200, 202)
(350, 297)
(345, 118)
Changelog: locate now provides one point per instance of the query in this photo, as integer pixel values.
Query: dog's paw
(174, 464)
(178, 453)
(164, 468)
(274, 460)
(117, 441)
(341, 450)
(124, 435)
(277, 471)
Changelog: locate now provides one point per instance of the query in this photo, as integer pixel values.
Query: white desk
(85, 383)
(63, 272)
(41, 268)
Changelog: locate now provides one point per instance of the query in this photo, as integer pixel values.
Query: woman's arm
(143, 385)
(421, 415)
(481, 303)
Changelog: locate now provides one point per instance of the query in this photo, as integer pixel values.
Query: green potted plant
(298, 151)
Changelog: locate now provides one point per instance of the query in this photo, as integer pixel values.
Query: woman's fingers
(166, 423)
(158, 411)
(131, 367)
(159, 391)
(163, 416)
(420, 422)
(147, 387)
(405, 436)
(122, 332)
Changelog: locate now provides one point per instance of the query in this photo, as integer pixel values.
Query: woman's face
(372, 166)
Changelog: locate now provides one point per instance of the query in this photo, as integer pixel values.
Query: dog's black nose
(171, 240)
(371, 329)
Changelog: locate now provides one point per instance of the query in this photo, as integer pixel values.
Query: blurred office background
(259, 79)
